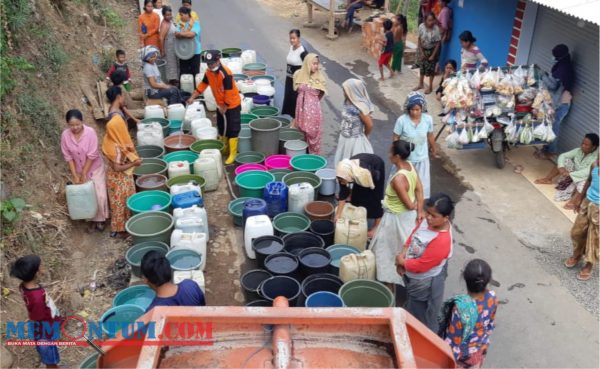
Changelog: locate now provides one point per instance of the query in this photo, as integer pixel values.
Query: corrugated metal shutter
(552, 28)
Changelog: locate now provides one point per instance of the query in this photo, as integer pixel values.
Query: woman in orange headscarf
(118, 148)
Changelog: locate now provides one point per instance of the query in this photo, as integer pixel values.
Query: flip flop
(519, 169)
(572, 263)
(584, 275)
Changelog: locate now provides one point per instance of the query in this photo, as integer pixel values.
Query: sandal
(519, 169)
(571, 262)
(584, 274)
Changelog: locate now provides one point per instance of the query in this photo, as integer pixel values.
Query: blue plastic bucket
(324, 299)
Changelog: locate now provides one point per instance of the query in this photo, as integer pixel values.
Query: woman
(400, 30)
(366, 174)
(167, 45)
(79, 145)
(467, 320)
(154, 88)
(311, 86)
(356, 121)
(403, 203)
(429, 46)
(449, 71)
(423, 262)
(417, 127)
(122, 158)
(470, 54)
(148, 24)
(573, 167)
(294, 61)
(158, 9)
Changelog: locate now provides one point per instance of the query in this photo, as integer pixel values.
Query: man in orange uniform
(148, 25)
(220, 80)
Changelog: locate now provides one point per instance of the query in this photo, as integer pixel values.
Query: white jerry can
(300, 194)
(256, 226)
(81, 200)
(190, 241)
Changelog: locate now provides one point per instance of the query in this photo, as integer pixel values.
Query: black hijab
(563, 68)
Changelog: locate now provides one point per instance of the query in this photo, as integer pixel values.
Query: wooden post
(331, 34)
(309, 7)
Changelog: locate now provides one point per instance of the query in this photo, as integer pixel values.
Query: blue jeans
(173, 95)
(350, 13)
(559, 115)
(48, 354)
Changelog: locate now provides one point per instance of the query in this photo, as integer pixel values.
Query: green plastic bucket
(299, 177)
(150, 151)
(279, 174)
(198, 146)
(230, 52)
(308, 163)
(187, 178)
(114, 319)
(185, 155)
(151, 166)
(175, 126)
(150, 226)
(184, 259)
(165, 123)
(89, 362)
(250, 157)
(149, 201)
(366, 293)
(239, 77)
(140, 295)
(285, 121)
(265, 111)
(235, 209)
(253, 182)
(254, 67)
(136, 252)
(247, 118)
(285, 223)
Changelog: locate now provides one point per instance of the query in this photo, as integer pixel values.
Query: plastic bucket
(186, 178)
(281, 285)
(366, 293)
(164, 123)
(265, 111)
(231, 52)
(119, 317)
(250, 157)
(286, 223)
(294, 148)
(179, 142)
(279, 173)
(319, 210)
(251, 281)
(89, 362)
(136, 252)
(299, 177)
(336, 252)
(239, 77)
(246, 167)
(162, 68)
(175, 126)
(314, 260)
(150, 226)
(151, 182)
(254, 69)
(291, 134)
(150, 151)
(151, 166)
(265, 135)
(278, 162)
(261, 100)
(308, 162)
(253, 182)
(141, 296)
(328, 181)
(260, 303)
(149, 201)
(198, 146)
(184, 259)
(235, 209)
(324, 229)
(296, 242)
(285, 121)
(266, 76)
(247, 118)
(282, 263)
(319, 282)
(323, 299)
(184, 155)
(264, 246)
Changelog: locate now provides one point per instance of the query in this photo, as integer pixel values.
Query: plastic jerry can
(253, 207)
(187, 199)
(192, 112)
(150, 138)
(256, 226)
(357, 266)
(175, 112)
(199, 123)
(195, 275)
(193, 212)
(215, 154)
(191, 225)
(186, 83)
(154, 111)
(351, 232)
(247, 104)
(235, 65)
(176, 189)
(81, 200)
(209, 100)
(206, 133)
(190, 241)
(276, 197)
(300, 194)
(207, 168)
(178, 168)
(248, 57)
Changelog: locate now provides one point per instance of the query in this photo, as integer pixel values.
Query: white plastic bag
(531, 76)
(475, 137)
(539, 132)
(452, 140)
(487, 126)
(463, 138)
(550, 136)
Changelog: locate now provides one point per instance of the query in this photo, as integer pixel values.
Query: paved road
(539, 322)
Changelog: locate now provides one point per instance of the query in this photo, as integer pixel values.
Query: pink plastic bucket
(244, 167)
(278, 162)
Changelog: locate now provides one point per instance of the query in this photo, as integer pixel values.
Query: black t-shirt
(389, 42)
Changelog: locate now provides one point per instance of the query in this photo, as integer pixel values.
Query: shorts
(48, 353)
(385, 58)
(234, 122)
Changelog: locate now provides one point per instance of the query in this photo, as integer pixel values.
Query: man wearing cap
(220, 80)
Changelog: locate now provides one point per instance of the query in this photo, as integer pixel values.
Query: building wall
(490, 21)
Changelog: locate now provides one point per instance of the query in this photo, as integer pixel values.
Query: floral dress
(309, 116)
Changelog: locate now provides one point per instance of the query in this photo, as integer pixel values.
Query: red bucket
(245, 167)
(278, 162)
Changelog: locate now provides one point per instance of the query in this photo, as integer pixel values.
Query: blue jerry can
(187, 200)
(276, 196)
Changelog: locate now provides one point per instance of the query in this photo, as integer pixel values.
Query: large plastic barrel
(317, 283)
(276, 197)
(150, 226)
(313, 260)
(324, 229)
(324, 299)
(251, 281)
(281, 285)
(366, 293)
(253, 207)
(265, 135)
(296, 242)
(264, 246)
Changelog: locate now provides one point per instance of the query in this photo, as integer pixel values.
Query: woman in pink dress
(310, 84)
(79, 145)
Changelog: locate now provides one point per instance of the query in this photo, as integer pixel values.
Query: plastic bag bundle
(475, 80)
(457, 93)
(531, 76)
(505, 102)
(526, 135)
(489, 79)
(487, 127)
(463, 138)
(477, 134)
(539, 132)
(550, 135)
(527, 96)
(520, 75)
(452, 140)
(493, 111)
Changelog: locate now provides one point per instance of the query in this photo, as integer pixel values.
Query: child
(120, 64)
(400, 31)
(388, 49)
(40, 307)
(157, 273)
(467, 321)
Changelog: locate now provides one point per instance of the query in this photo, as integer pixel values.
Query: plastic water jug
(200, 123)
(253, 207)
(191, 241)
(206, 133)
(178, 168)
(209, 100)
(150, 134)
(354, 212)
(154, 111)
(186, 83)
(248, 57)
(357, 266)
(187, 200)
(247, 104)
(246, 86)
(215, 154)
(81, 200)
(235, 65)
(176, 189)
(192, 212)
(300, 194)
(276, 197)
(351, 232)
(194, 275)
(175, 112)
(256, 226)
(192, 112)
(207, 168)
(191, 225)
